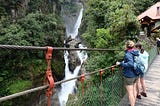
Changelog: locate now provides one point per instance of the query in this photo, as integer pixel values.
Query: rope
(55, 48)
(46, 86)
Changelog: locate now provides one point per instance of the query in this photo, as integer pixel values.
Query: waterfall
(72, 15)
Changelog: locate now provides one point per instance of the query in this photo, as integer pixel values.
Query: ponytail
(142, 50)
(138, 45)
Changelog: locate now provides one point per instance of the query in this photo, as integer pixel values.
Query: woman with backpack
(141, 82)
(130, 78)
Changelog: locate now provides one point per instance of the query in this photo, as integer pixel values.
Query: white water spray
(71, 31)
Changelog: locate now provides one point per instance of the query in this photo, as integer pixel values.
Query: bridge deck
(152, 85)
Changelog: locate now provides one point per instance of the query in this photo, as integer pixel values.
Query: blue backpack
(138, 65)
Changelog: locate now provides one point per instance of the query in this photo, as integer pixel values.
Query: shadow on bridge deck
(152, 85)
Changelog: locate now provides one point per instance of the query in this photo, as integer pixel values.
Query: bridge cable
(46, 86)
(55, 48)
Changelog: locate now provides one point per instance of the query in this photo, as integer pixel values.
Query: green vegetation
(18, 85)
(105, 24)
(34, 25)
(108, 24)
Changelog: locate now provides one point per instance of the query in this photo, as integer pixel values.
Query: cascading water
(72, 15)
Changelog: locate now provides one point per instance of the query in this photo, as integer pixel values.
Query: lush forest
(105, 24)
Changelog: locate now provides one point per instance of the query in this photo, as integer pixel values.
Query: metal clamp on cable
(101, 73)
(112, 68)
(48, 77)
(82, 81)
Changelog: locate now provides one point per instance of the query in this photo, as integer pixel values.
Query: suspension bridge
(111, 91)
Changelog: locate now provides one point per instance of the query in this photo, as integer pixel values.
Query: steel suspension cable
(55, 48)
(46, 86)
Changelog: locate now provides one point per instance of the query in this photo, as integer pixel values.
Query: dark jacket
(127, 64)
(158, 43)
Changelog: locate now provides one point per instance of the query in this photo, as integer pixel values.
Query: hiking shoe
(144, 94)
(139, 96)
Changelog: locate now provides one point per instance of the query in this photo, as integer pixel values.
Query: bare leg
(143, 84)
(138, 86)
(134, 90)
(130, 90)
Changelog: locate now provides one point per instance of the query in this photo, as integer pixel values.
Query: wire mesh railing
(152, 54)
(108, 94)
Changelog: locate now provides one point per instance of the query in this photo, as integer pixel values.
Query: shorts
(141, 75)
(130, 81)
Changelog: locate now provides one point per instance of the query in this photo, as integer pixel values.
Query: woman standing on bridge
(144, 57)
(130, 78)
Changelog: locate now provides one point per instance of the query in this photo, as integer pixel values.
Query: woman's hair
(138, 45)
(129, 44)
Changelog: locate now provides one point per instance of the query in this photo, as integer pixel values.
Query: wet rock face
(73, 57)
(73, 61)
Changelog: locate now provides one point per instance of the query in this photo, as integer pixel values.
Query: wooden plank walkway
(152, 86)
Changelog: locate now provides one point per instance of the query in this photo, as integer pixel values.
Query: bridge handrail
(152, 54)
(46, 86)
(55, 48)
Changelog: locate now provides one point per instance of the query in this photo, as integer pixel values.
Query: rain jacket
(128, 62)
(144, 58)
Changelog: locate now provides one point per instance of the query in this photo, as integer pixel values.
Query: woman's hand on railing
(117, 63)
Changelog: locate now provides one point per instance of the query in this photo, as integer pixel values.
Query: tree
(36, 29)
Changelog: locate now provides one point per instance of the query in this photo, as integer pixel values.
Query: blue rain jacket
(128, 62)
